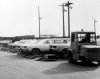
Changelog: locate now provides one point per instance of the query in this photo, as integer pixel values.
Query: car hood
(29, 44)
(35, 45)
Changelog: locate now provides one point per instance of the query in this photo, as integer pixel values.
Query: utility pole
(95, 29)
(63, 10)
(68, 4)
(39, 20)
(95, 26)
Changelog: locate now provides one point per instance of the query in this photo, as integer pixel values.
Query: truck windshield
(86, 38)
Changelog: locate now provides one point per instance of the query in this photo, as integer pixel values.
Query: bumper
(93, 54)
(57, 53)
(53, 51)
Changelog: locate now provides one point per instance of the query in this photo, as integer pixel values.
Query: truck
(83, 47)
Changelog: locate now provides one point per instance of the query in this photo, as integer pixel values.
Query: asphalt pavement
(13, 66)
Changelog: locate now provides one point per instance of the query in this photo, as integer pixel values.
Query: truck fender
(70, 50)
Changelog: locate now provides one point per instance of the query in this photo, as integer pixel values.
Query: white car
(23, 45)
(61, 47)
(41, 46)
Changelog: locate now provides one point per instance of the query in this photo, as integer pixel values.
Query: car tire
(35, 51)
(65, 52)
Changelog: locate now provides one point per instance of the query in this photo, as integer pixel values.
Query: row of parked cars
(57, 46)
(82, 46)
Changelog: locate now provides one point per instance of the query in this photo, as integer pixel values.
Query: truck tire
(98, 62)
(70, 57)
(83, 59)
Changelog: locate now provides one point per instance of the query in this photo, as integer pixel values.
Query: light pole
(68, 4)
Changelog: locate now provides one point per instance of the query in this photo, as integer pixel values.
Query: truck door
(74, 43)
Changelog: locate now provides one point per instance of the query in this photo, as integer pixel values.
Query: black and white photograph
(49, 39)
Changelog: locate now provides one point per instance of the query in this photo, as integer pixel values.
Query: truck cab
(83, 47)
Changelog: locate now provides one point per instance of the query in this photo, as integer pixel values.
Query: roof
(83, 32)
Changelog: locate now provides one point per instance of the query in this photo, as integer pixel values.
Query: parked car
(40, 47)
(23, 47)
(60, 47)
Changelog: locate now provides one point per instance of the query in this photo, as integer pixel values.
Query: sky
(20, 17)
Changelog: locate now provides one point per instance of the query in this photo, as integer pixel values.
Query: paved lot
(15, 67)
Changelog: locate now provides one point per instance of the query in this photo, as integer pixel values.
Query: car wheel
(35, 51)
(65, 52)
(19, 52)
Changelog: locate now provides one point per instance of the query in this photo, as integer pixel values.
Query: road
(13, 66)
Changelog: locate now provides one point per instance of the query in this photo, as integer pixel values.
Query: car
(36, 48)
(23, 47)
(42, 46)
(61, 47)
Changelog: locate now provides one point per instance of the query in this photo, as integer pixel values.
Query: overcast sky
(20, 17)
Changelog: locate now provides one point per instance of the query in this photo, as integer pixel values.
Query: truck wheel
(83, 59)
(35, 51)
(70, 58)
(65, 52)
(98, 62)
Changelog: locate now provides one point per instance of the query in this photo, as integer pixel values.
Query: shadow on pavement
(36, 58)
(15, 57)
(65, 68)
(52, 59)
